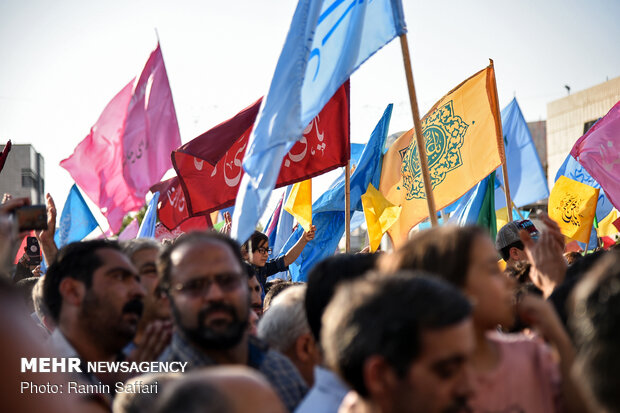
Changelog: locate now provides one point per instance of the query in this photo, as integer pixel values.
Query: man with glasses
(258, 251)
(203, 276)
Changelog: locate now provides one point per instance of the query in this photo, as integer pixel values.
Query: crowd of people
(451, 321)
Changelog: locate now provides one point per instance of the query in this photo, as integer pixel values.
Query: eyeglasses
(263, 250)
(200, 286)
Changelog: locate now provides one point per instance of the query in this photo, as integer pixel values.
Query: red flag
(172, 208)
(210, 167)
(5, 153)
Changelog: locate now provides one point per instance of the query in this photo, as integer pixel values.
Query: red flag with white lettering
(172, 208)
(210, 167)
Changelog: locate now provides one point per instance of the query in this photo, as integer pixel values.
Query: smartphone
(31, 217)
(33, 250)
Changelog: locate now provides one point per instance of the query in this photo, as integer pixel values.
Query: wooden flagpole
(502, 150)
(347, 206)
(428, 189)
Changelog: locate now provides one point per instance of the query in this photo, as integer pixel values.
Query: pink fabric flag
(96, 163)
(128, 149)
(151, 130)
(599, 153)
(130, 231)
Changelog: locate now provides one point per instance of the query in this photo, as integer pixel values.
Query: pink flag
(151, 128)
(128, 149)
(599, 153)
(96, 163)
(130, 231)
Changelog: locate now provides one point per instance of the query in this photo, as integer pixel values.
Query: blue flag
(328, 211)
(572, 169)
(525, 173)
(76, 220)
(327, 41)
(147, 228)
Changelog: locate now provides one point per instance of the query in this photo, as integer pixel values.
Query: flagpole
(428, 189)
(502, 150)
(102, 231)
(347, 207)
(513, 204)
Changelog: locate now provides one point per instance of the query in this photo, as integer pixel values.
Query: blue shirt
(277, 368)
(326, 394)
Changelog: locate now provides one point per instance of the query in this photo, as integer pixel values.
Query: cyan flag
(525, 173)
(147, 228)
(76, 220)
(572, 169)
(328, 211)
(326, 42)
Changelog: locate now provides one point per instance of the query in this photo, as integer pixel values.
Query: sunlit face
(260, 256)
(156, 306)
(491, 291)
(440, 379)
(209, 294)
(113, 303)
(256, 300)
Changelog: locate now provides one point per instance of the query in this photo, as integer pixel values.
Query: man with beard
(203, 275)
(256, 291)
(94, 296)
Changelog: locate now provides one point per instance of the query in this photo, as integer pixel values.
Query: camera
(31, 217)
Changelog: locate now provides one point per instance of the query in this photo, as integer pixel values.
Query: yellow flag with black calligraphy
(572, 205)
(461, 134)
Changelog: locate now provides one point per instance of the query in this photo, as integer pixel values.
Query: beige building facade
(570, 117)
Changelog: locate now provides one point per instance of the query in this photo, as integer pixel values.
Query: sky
(62, 61)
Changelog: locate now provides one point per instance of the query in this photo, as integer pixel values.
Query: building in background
(22, 175)
(538, 130)
(570, 117)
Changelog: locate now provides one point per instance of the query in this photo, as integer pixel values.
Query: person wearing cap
(509, 244)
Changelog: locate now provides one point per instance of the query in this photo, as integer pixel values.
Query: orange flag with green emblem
(461, 137)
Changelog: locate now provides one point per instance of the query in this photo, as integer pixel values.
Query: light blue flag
(328, 211)
(572, 169)
(147, 228)
(76, 220)
(327, 41)
(525, 173)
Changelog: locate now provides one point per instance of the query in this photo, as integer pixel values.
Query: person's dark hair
(249, 270)
(505, 252)
(192, 394)
(276, 289)
(594, 322)
(254, 241)
(78, 260)
(25, 287)
(444, 251)
(386, 315)
(572, 257)
(164, 265)
(322, 281)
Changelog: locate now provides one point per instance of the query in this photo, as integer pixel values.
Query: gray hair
(285, 320)
(130, 247)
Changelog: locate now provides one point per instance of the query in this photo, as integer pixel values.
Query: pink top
(527, 379)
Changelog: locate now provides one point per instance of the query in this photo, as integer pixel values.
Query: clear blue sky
(62, 61)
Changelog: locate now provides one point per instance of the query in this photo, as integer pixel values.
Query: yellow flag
(606, 228)
(461, 135)
(572, 205)
(299, 203)
(380, 215)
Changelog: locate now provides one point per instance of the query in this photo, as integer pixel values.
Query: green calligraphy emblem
(444, 134)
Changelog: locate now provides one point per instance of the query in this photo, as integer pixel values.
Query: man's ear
(72, 291)
(514, 253)
(381, 380)
(306, 349)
